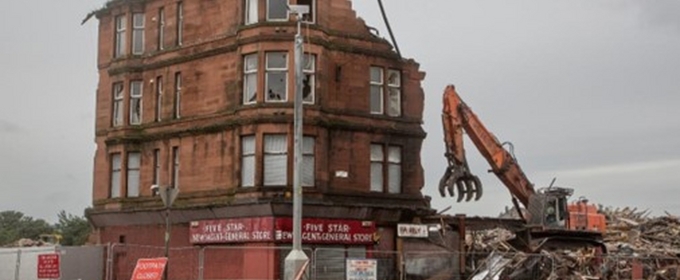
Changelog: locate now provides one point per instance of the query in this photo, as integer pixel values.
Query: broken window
(248, 161)
(377, 168)
(159, 98)
(276, 77)
(393, 93)
(137, 33)
(309, 79)
(275, 160)
(119, 40)
(133, 164)
(310, 17)
(115, 175)
(250, 11)
(308, 166)
(250, 79)
(178, 95)
(376, 98)
(161, 28)
(135, 102)
(117, 117)
(277, 10)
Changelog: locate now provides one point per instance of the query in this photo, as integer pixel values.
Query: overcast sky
(586, 90)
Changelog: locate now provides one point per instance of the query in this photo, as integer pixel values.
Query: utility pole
(297, 258)
(168, 194)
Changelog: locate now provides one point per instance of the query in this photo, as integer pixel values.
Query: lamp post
(297, 258)
(168, 194)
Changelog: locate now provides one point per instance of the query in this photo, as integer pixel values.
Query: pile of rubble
(638, 246)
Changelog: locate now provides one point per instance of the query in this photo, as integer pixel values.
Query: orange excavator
(550, 220)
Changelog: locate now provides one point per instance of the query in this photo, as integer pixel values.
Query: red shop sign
(232, 230)
(326, 231)
(48, 266)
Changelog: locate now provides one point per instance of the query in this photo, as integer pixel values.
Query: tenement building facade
(198, 95)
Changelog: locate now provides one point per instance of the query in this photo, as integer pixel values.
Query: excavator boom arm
(458, 117)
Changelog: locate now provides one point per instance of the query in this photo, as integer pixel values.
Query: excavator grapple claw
(467, 186)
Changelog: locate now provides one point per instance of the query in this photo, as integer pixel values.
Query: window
(277, 77)
(248, 161)
(161, 29)
(133, 163)
(156, 166)
(277, 10)
(175, 167)
(135, 102)
(311, 17)
(250, 11)
(378, 170)
(137, 33)
(393, 93)
(308, 82)
(250, 79)
(394, 169)
(159, 98)
(119, 40)
(180, 23)
(376, 98)
(275, 160)
(178, 95)
(117, 117)
(115, 175)
(308, 161)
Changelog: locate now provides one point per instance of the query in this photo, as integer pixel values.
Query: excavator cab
(548, 208)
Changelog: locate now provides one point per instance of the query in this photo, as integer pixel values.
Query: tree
(15, 225)
(74, 230)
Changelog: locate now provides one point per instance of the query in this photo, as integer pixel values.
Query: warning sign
(48, 266)
(149, 269)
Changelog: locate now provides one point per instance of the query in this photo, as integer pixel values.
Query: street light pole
(168, 194)
(297, 258)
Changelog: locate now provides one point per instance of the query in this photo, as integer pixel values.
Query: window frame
(311, 71)
(115, 170)
(377, 85)
(156, 167)
(276, 19)
(119, 42)
(130, 172)
(136, 97)
(274, 154)
(250, 74)
(137, 28)
(250, 6)
(252, 155)
(177, 102)
(308, 155)
(312, 12)
(175, 167)
(161, 29)
(118, 104)
(386, 163)
(158, 114)
(180, 24)
(398, 87)
(269, 70)
(390, 162)
(374, 162)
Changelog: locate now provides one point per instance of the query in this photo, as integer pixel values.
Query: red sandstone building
(198, 94)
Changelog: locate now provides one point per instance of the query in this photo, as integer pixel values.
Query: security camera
(155, 189)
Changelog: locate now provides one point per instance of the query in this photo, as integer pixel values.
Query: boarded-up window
(247, 161)
(133, 164)
(275, 160)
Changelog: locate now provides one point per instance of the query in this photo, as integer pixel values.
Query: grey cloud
(661, 13)
(6, 126)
